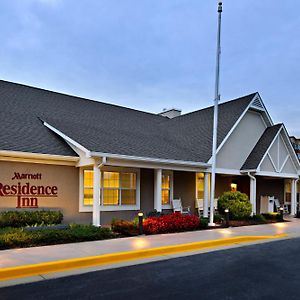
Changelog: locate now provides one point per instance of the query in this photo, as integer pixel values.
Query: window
(88, 187)
(110, 188)
(200, 185)
(166, 188)
(117, 188)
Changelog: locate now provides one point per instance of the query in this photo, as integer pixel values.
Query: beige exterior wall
(65, 178)
(241, 142)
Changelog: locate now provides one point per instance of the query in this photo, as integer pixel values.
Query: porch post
(206, 195)
(96, 195)
(293, 197)
(253, 194)
(157, 189)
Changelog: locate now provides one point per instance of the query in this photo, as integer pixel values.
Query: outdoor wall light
(226, 217)
(281, 213)
(141, 229)
(233, 187)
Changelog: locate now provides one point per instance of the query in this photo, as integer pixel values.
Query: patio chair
(177, 207)
(200, 206)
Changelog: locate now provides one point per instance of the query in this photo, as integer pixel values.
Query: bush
(29, 218)
(272, 216)
(170, 223)
(238, 204)
(259, 219)
(19, 238)
(124, 228)
(203, 223)
(154, 213)
(218, 218)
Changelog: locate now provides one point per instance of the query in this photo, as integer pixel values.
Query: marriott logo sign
(27, 193)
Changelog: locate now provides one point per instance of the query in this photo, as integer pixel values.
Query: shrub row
(19, 238)
(124, 228)
(29, 218)
(174, 222)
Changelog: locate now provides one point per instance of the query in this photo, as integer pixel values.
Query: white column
(157, 189)
(293, 197)
(96, 195)
(253, 194)
(206, 195)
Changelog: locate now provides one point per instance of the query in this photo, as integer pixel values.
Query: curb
(92, 261)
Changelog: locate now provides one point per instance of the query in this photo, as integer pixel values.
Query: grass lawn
(21, 238)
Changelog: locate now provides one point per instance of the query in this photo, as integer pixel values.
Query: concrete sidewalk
(36, 255)
(19, 257)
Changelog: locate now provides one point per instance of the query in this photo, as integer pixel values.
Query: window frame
(120, 207)
(171, 189)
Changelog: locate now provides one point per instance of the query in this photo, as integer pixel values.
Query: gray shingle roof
(259, 150)
(102, 127)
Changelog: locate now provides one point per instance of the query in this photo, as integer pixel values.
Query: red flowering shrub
(174, 222)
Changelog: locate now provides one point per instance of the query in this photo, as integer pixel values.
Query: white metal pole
(215, 125)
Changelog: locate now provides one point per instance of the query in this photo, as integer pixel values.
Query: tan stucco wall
(241, 142)
(66, 178)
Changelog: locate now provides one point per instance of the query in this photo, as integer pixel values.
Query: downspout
(253, 192)
(103, 163)
(296, 187)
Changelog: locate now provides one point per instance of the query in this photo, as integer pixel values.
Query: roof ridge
(211, 106)
(81, 98)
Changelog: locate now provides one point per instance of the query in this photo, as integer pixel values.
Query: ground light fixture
(281, 213)
(226, 217)
(141, 229)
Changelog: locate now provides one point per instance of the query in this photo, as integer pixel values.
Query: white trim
(232, 129)
(150, 159)
(241, 117)
(264, 108)
(89, 208)
(292, 150)
(6, 155)
(267, 152)
(280, 175)
(226, 171)
(150, 165)
(68, 139)
(157, 189)
(284, 163)
(272, 162)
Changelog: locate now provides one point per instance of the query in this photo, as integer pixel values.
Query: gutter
(20, 154)
(149, 159)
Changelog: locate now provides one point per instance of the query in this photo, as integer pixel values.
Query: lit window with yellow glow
(200, 185)
(118, 188)
(165, 189)
(88, 179)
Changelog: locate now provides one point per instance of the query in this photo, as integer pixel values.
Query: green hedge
(18, 238)
(238, 204)
(124, 228)
(29, 218)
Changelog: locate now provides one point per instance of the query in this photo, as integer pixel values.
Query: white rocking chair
(177, 207)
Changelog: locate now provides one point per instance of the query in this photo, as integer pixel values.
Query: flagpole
(215, 125)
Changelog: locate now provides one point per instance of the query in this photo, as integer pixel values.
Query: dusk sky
(155, 54)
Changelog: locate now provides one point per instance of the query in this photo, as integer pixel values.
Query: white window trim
(170, 173)
(89, 208)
